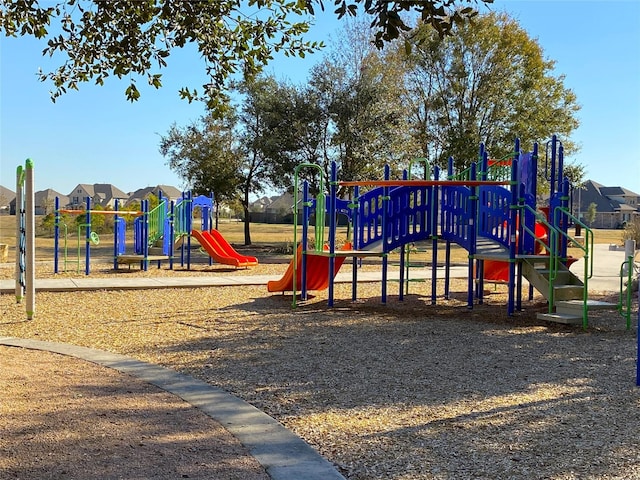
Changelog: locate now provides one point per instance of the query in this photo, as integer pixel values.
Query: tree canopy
(486, 83)
(134, 39)
(365, 108)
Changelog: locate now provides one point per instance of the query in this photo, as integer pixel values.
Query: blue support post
(87, 251)
(116, 227)
(433, 229)
(560, 168)
(56, 233)
(385, 234)
(145, 236)
(513, 216)
(403, 249)
(332, 228)
(172, 233)
(471, 233)
(355, 209)
(305, 234)
(447, 272)
(188, 212)
(520, 244)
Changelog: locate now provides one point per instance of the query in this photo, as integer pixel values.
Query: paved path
(606, 268)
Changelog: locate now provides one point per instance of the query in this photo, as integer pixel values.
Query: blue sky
(96, 136)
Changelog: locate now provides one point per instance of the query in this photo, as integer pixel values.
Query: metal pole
(30, 228)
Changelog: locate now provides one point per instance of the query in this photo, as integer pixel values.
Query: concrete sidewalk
(607, 261)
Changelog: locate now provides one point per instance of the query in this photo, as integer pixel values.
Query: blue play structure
(157, 232)
(489, 209)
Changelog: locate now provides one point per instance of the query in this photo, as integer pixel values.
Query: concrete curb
(284, 455)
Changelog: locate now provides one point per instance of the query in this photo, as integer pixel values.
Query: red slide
(230, 251)
(497, 271)
(317, 273)
(221, 255)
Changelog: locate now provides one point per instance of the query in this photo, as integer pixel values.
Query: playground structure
(489, 209)
(160, 234)
(25, 237)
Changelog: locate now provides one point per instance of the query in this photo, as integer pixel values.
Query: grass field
(274, 238)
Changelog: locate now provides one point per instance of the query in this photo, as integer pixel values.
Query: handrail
(625, 309)
(418, 161)
(587, 248)
(551, 247)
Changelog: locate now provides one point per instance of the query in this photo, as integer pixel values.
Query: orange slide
(317, 272)
(221, 251)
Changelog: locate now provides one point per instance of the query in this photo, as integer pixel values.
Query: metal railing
(587, 248)
(551, 246)
(624, 297)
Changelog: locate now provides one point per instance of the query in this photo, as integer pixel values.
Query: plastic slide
(497, 271)
(230, 251)
(213, 248)
(317, 272)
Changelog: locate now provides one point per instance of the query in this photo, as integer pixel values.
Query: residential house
(260, 204)
(166, 191)
(6, 196)
(44, 202)
(103, 194)
(615, 206)
(277, 209)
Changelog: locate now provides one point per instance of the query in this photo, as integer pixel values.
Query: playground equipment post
(25, 237)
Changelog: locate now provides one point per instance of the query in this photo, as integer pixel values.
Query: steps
(571, 311)
(567, 296)
(566, 286)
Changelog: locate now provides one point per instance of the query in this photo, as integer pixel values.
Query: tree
(48, 223)
(632, 231)
(362, 122)
(590, 216)
(266, 139)
(242, 152)
(134, 39)
(490, 83)
(206, 156)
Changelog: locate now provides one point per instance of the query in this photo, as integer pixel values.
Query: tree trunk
(245, 208)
